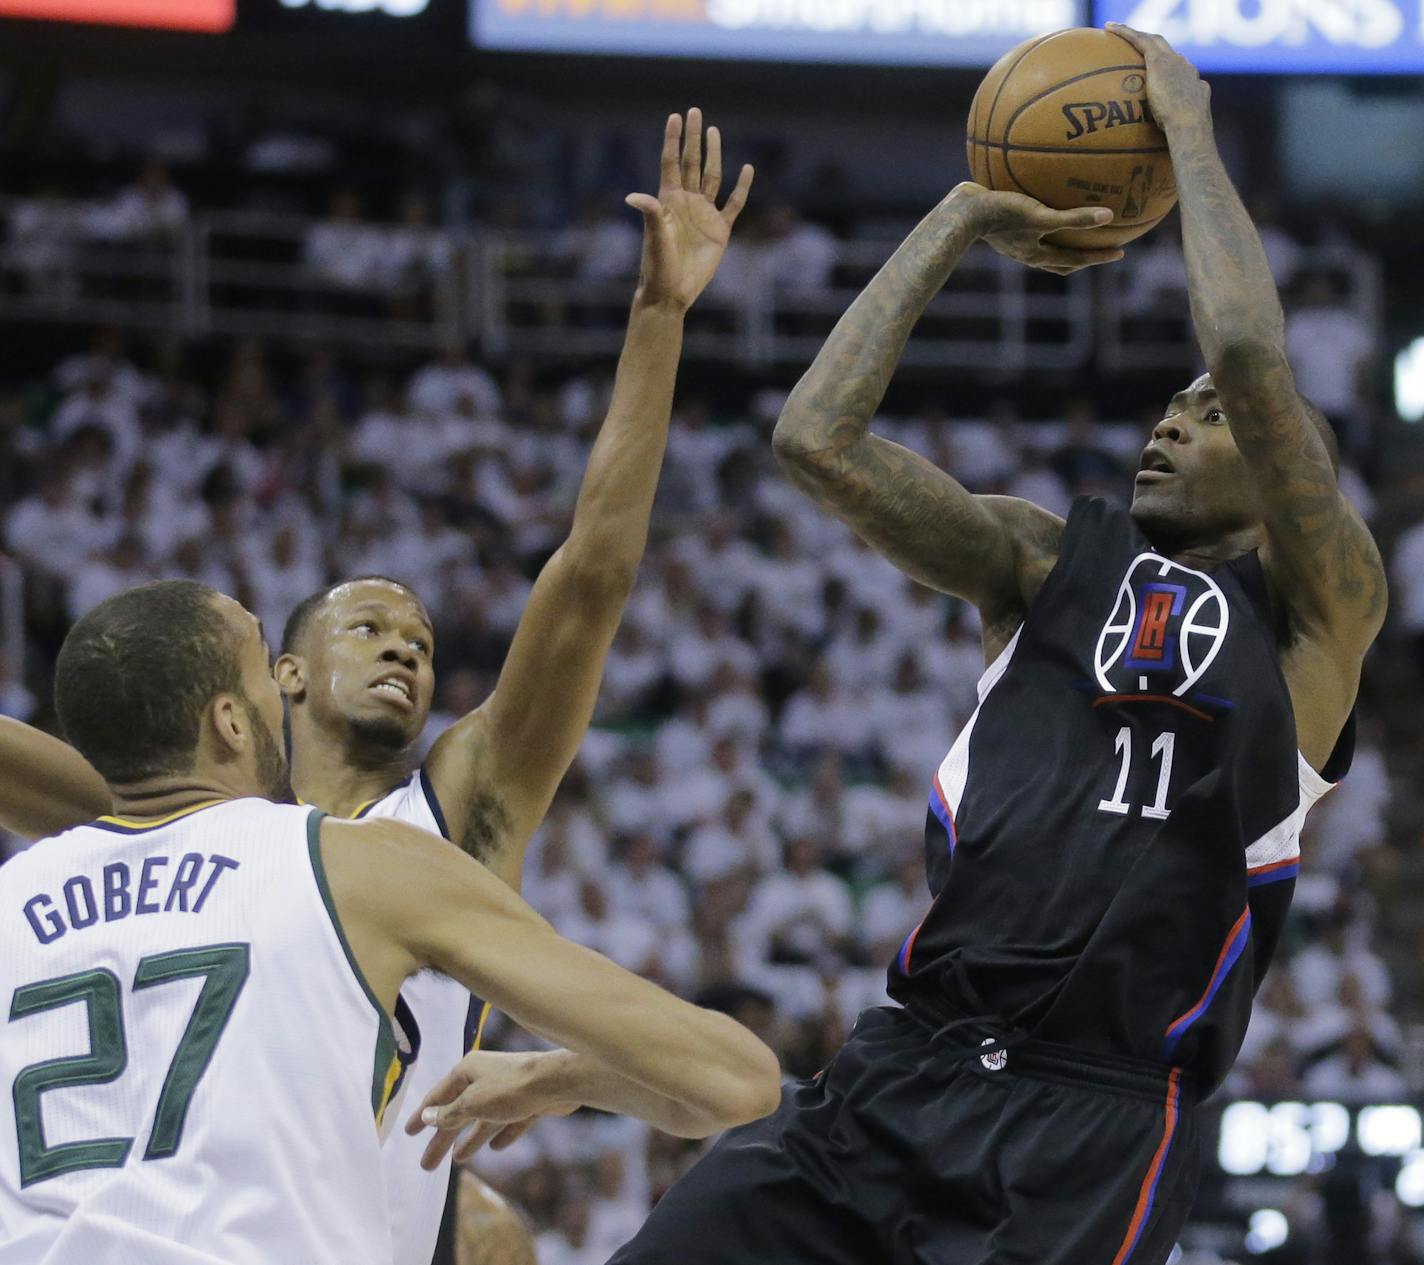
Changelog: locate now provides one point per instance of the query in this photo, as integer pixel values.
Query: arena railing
(242, 274)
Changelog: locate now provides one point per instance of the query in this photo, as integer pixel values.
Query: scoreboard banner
(1344, 37)
(904, 32)
(212, 16)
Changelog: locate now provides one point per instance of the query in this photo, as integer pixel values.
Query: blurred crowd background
(269, 342)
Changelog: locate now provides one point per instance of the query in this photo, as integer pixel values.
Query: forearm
(46, 785)
(615, 502)
(1233, 294)
(583, 1080)
(833, 404)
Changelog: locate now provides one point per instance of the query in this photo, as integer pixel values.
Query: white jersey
(190, 1063)
(437, 1025)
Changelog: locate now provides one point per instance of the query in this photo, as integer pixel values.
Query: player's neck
(163, 797)
(341, 777)
(1206, 553)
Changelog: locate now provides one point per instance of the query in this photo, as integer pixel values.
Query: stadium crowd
(744, 823)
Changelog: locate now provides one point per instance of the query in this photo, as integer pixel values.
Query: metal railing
(244, 274)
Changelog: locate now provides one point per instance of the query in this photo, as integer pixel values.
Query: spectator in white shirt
(802, 915)
(416, 254)
(150, 212)
(634, 672)
(44, 236)
(911, 721)
(637, 800)
(866, 656)
(1331, 347)
(437, 388)
(737, 709)
(1339, 952)
(643, 886)
(122, 567)
(695, 655)
(343, 250)
(891, 910)
(1356, 1074)
(883, 822)
(603, 245)
(280, 575)
(738, 844)
(817, 810)
(825, 715)
(726, 565)
(52, 531)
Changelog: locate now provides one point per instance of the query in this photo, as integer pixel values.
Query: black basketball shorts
(899, 1154)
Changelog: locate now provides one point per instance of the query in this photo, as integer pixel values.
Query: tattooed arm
(994, 551)
(1321, 555)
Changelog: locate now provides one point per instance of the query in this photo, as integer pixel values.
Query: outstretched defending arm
(45, 785)
(1321, 553)
(496, 771)
(992, 551)
(409, 901)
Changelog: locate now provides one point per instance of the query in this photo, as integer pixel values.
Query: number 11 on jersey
(1162, 751)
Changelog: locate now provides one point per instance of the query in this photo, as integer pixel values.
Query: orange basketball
(1064, 118)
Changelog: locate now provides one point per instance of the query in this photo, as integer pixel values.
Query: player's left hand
(501, 1095)
(1175, 91)
(684, 233)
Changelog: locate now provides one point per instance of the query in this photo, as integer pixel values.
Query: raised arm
(1324, 561)
(408, 901)
(45, 785)
(993, 551)
(496, 771)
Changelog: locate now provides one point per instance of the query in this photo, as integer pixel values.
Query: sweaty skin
(1241, 461)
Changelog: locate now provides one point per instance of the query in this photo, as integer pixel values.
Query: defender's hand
(502, 1095)
(1016, 226)
(1175, 91)
(684, 234)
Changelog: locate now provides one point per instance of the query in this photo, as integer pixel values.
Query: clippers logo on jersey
(1169, 621)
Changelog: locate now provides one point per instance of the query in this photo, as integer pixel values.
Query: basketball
(1064, 118)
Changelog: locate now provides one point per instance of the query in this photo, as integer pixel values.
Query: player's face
(369, 657)
(1192, 484)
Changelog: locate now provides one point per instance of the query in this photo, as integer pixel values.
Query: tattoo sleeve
(1330, 560)
(1233, 293)
(908, 509)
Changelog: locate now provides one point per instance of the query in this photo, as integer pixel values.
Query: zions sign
(1353, 37)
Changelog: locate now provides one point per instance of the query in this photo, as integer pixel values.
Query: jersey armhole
(1072, 526)
(432, 801)
(387, 1065)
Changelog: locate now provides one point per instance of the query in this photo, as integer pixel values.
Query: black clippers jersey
(1113, 841)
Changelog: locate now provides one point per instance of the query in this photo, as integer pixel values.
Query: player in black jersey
(1112, 842)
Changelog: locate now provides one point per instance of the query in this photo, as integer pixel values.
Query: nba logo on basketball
(1167, 627)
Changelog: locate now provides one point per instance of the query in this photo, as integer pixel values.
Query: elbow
(600, 573)
(745, 1093)
(794, 445)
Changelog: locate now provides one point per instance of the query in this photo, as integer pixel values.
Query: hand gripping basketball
(1175, 90)
(1016, 226)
